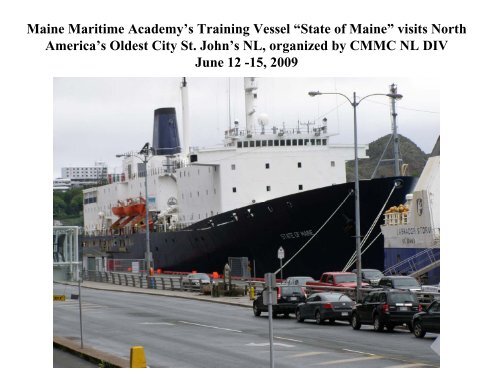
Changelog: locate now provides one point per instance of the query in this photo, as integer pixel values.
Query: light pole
(145, 153)
(354, 103)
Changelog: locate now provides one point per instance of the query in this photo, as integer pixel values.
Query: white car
(194, 279)
(298, 280)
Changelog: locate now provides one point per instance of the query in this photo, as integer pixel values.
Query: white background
(467, 71)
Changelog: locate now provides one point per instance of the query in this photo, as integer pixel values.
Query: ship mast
(395, 137)
(186, 141)
(250, 104)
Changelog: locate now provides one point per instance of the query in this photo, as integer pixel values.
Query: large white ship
(267, 187)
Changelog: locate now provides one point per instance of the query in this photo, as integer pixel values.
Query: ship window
(294, 142)
(239, 144)
(282, 142)
(245, 144)
(300, 187)
(312, 142)
(288, 142)
(233, 167)
(276, 142)
(301, 142)
(306, 142)
(268, 188)
(299, 165)
(264, 143)
(267, 165)
(234, 190)
(252, 143)
(324, 142)
(257, 143)
(332, 164)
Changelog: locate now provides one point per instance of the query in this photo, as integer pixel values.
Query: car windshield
(302, 280)
(201, 276)
(334, 297)
(345, 279)
(398, 283)
(288, 290)
(372, 274)
(402, 297)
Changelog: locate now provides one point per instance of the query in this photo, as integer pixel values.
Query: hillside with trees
(67, 206)
(410, 153)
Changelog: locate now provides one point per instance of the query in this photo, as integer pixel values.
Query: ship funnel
(165, 132)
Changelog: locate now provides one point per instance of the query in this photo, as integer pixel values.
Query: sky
(97, 118)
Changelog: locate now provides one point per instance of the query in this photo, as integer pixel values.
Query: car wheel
(355, 322)
(377, 324)
(299, 316)
(319, 319)
(256, 310)
(418, 330)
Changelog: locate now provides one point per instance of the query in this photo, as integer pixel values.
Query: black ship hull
(259, 230)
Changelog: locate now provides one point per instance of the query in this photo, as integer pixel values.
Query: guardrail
(177, 282)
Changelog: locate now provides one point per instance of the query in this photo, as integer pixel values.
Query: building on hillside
(85, 176)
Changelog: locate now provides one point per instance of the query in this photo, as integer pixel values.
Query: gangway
(416, 265)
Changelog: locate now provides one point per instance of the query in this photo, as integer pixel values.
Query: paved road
(185, 333)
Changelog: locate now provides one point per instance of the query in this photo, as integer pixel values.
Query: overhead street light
(144, 155)
(354, 103)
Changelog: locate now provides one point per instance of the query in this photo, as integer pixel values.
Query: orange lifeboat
(134, 208)
(119, 210)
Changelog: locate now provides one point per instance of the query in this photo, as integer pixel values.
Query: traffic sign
(281, 253)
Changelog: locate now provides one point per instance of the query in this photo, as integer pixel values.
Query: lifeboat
(119, 210)
(135, 207)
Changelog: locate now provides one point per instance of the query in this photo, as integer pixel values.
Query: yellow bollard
(251, 293)
(137, 357)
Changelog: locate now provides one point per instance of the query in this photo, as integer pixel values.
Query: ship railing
(414, 263)
(396, 218)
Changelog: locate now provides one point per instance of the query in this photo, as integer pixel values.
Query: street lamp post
(145, 157)
(354, 103)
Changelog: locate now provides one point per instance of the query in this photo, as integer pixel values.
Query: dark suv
(427, 321)
(288, 299)
(400, 282)
(386, 308)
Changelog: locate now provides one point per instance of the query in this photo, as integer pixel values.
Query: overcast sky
(97, 118)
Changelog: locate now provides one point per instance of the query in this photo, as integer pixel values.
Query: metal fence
(163, 282)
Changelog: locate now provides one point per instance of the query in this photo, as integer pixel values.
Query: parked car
(334, 279)
(400, 282)
(298, 280)
(194, 279)
(427, 320)
(329, 306)
(288, 299)
(431, 288)
(386, 308)
(370, 276)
